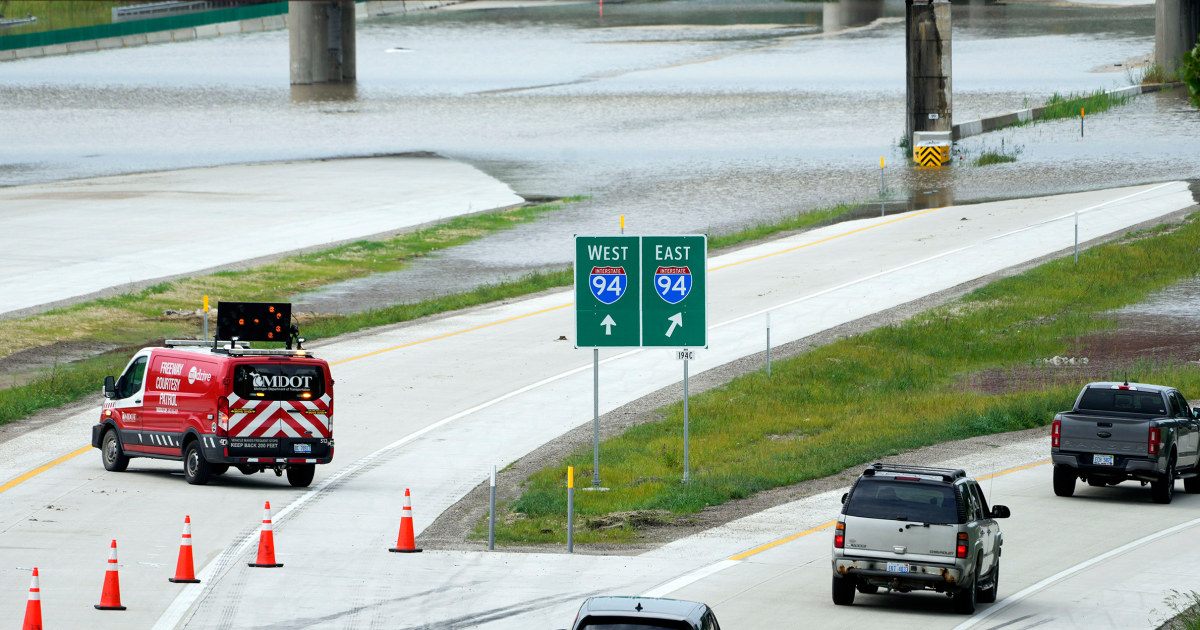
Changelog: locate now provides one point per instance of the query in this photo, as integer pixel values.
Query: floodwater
(685, 116)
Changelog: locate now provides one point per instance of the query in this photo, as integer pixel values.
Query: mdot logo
(262, 381)
(196, 374)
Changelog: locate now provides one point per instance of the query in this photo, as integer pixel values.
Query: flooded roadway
(691, 116)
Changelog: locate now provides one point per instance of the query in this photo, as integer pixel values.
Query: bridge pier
(321, 42)
(927, 61)
(1176, 26)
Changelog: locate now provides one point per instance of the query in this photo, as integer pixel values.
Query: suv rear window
(882, 497)
(629, 623)
(1121, 401)
(279, 381)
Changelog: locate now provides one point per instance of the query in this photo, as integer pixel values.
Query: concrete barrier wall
(364, 10)
(993, 123)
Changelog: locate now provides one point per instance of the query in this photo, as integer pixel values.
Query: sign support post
(686, 466)
(596, 418)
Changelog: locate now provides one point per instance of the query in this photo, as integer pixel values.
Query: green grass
(993, 157)
(880, 393)
(1187, 610)
(1059, 106)
(58, 14)
(798, 221)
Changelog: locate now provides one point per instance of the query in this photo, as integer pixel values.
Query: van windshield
(902, 501)
(279, 381)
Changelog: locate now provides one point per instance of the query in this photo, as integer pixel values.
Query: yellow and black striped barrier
(932, 155)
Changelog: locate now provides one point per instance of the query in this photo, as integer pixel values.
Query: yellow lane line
(903, 217)
(762, 548)
(41, 469)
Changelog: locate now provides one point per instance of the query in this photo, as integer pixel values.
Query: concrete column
(1176, 27)
(321, 42)
(927, 57)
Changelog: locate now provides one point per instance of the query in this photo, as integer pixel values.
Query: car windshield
(631, 623)
(883, 497)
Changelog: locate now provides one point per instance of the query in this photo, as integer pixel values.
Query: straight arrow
(608, 323)
(676, 320)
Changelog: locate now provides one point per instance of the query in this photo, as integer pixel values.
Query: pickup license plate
(1102, 460)
(897, 567)
(306, 448)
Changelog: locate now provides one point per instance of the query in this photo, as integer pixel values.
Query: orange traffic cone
(33, 609)
(266, 542)
(405, 542)
(184, 571)
(110, 599)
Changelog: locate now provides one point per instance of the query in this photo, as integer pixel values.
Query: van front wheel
(300, 475)
(114, 458)
(195, 468)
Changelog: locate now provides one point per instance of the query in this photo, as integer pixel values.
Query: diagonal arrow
(608, 323)
(676, 320)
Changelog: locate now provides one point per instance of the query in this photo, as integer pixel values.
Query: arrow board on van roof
(254, 321)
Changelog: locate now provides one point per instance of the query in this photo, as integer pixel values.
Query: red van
(214, 405)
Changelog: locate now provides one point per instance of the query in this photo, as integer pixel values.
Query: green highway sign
(633, 291)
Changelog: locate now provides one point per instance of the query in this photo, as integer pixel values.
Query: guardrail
(160, 9)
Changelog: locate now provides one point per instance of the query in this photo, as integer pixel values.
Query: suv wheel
(843, 590)
(1064, 481)
(988, 595)
(1163, 489)
(964, 600)
(114, 458)
(195, 468)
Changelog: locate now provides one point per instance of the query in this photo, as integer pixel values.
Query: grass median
(136, 319)
(968, 368)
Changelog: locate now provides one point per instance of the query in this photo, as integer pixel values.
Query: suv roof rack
(947, 474)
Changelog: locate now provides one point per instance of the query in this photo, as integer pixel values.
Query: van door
(162, 430)
(127, 405)
(278, 409)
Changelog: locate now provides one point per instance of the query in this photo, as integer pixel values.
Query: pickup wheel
(114, 458)
(195, 468)
(843, 590)
(988, 595)
(964, 600)
(1164, 489)
(1191, 485)
(1064, 481)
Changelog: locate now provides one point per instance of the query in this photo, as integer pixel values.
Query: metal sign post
(686, 466)
(596, 418)
(492, 515)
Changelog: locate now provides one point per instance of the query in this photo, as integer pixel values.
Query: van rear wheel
(300, 475)
(114, 458)
(195, 468)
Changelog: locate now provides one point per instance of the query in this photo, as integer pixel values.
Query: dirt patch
(21, 367)
(1140, 335)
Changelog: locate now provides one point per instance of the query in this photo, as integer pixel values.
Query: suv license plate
(302, 448)
(897, 567)
(1102, 460)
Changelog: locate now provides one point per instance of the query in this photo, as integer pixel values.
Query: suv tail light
(839, 536)
(1055, 433)
(222, 415)
(1152, 444)
(961, 550)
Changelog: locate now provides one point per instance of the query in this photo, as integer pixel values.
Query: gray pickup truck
(1122, 431)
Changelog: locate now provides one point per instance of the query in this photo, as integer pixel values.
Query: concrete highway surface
(63, 240)
(433, 405)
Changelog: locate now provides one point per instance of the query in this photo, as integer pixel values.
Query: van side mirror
(1000, 511)
(110, 387)
(845, 495)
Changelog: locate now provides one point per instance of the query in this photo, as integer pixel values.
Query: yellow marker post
(206, 318)
(882, 185)
(571, 505)
(622, 224)
(1080, 122)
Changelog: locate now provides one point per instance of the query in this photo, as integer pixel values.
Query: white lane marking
(1061, 575)
(689, 578)
(191, 593)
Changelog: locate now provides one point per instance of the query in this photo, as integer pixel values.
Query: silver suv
(915, 527)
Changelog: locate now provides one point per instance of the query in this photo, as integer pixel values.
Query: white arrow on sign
(676, 320)
(608, 323)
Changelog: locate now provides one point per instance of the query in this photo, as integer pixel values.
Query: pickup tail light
(1152, 444)
(1056, 433)
(839, 536)
(961, 550)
